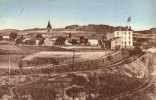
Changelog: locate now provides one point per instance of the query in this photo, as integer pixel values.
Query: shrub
(109, 57)
(78, 80)
(136, 51)
(74, 91)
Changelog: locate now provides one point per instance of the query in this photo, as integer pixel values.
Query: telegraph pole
(73, 55)
(9, 65)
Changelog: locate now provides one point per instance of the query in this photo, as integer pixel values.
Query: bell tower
(49, 28)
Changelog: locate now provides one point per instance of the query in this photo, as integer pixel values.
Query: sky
(28, 14)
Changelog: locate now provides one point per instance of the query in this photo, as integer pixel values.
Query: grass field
(62, 57)
(63, 54)
(34, 49)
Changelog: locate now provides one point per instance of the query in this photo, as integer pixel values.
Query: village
(77, 50)
(112, 38)
(88, 54)
(92, 38)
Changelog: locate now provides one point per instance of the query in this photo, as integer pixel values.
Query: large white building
(126, 35)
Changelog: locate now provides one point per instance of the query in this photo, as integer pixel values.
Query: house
(67, 43)
(73, 40)
(49, 41)
(5, 36)
(116, 43)
(93, 42)
(28, 41)
(11, 36)
(126, 35)
(109, 35)
(39, 40)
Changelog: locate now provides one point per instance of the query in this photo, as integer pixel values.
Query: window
(129, 37)
(116, 42)
(117, 33)
(129, 33)
(125, 33)
(122, 42)
(129, 42)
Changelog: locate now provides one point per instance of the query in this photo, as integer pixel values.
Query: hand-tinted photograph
(77, 50)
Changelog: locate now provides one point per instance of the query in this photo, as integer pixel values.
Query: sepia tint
(77, 50)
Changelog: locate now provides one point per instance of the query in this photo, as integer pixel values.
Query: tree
(60, 40)
(69, 35)
(20, 65)
(83, 40)
(74, 91)
(13, 36)
(19, 39)
(103, 40)
(109, 57)
(136, 51)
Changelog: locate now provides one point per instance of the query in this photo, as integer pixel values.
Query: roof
(115, 38)
(120, 28)
(74, 37)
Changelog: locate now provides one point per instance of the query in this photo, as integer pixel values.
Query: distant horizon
(71, 25)
(29, 14)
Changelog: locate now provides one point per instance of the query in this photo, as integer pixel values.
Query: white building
(116, 43)
(5, 37)
(93, 42)
(126, 37)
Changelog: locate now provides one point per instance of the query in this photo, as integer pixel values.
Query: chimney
(120, 28)
(126, 27)
(129, 27)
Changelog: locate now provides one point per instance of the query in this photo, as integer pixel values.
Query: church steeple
(49, 25)
(49, 28)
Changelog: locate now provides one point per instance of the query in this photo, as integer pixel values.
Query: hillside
(90, 30)
(72, 28)
(94, 28)
(8, 31)
(83, 85)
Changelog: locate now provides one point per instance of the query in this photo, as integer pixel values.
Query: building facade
(116, 43)
(126, 37)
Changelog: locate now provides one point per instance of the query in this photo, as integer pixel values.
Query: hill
(90, 29)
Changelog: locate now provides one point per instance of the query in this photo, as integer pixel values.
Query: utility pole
(9, 65)
(73, 55)
(73, 59)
